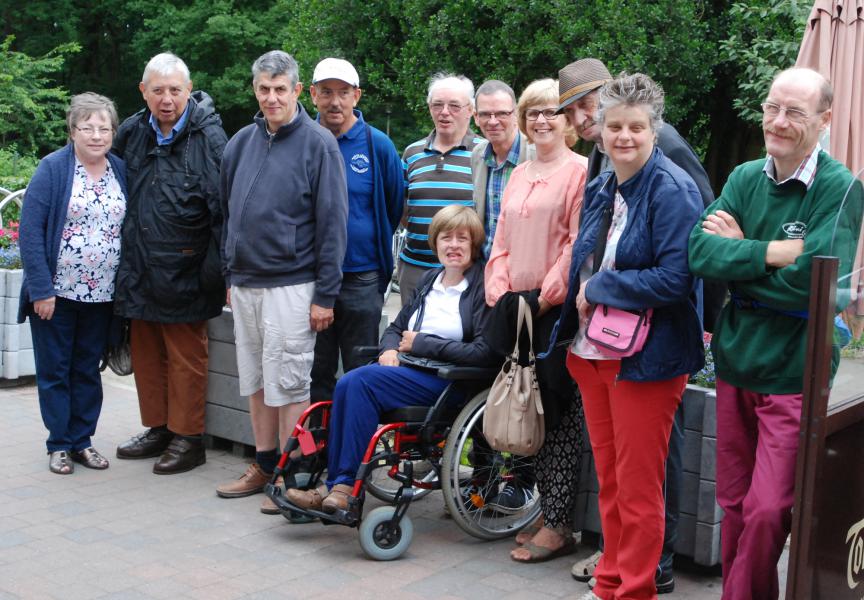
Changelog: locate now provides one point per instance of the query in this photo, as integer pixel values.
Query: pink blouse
(537, 226)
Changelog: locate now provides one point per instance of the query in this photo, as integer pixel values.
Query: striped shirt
(805, 173)
(435, 180)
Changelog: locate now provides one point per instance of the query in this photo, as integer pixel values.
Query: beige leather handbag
(513, 419)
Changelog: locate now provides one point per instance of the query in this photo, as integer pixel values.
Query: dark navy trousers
(67, 349)
(359, 399)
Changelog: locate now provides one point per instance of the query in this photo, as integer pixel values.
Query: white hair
(166, 64)
(449, 80)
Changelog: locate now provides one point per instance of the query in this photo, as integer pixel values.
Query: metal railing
(9, 197)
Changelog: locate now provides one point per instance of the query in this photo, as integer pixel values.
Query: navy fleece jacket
(285, 204)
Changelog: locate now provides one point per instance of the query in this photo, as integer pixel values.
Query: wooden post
(817, 372)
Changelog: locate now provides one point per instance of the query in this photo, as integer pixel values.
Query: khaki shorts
(275, 344)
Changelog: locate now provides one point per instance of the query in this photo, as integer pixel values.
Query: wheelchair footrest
(341, 517)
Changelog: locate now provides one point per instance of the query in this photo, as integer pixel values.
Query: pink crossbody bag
(617, 332)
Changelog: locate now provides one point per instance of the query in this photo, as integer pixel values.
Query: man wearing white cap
(376, 192)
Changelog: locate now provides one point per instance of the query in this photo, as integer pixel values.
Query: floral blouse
(90, 244)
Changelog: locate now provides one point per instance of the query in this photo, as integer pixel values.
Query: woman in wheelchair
(443, 321)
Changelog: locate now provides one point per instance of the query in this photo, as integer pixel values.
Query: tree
(32, 109)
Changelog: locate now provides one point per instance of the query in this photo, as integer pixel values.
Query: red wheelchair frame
(418, 433)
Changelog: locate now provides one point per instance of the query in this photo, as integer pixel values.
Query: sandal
(584, 569)
(59, 462)
(90, 458)
(542, 553)
(527, 533)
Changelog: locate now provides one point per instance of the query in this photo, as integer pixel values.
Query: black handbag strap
(602, 235)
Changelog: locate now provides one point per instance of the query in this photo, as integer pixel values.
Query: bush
(15, 170)
(706, 378)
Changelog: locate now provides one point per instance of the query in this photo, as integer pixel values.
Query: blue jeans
(67, 349)
(357, 313)
(360, 398)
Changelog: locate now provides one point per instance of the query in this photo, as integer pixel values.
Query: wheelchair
(416, 449)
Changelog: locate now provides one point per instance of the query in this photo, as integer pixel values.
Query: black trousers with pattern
(558, 466)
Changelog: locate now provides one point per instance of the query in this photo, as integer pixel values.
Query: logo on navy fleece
(796, 230)
(359, 163)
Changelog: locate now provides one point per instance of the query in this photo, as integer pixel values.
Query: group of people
(162, 220)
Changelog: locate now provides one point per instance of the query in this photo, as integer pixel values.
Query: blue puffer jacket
(651, 270)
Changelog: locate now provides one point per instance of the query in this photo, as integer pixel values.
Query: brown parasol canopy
(834, 45)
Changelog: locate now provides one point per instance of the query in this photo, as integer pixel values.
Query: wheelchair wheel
(376, 539)
(384, 487)
(471, 472)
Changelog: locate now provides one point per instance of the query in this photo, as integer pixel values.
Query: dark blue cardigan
(42, 218)
(651, 268)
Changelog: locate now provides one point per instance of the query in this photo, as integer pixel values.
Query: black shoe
(149, 444)
(665, 581)
(511, 500)
(182, 454)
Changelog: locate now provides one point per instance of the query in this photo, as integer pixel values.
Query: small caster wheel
(378, 540)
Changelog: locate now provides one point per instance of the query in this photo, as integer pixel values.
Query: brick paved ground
(126, 533)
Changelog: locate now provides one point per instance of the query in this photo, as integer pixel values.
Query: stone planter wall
(699, 520)
(15, 341)
(227, 414)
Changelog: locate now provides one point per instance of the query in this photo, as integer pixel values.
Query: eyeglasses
(485, 115)
(453, 107)
(89, 131)
(550, 114)
(793, 114)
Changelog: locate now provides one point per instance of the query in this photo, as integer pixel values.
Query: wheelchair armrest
(364, 354)
(457, 373)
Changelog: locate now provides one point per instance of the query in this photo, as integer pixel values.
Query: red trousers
(170, 365)
(757, 447)
(629, 424)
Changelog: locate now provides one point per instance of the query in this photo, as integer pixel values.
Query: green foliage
(32, 110)
(714, 58)
(15, 170)
(764, 37)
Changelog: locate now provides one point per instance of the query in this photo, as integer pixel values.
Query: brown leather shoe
(268, 507)
(182, 454)
(310, 499)
(337, 499)
(149, 444)
(250, 482)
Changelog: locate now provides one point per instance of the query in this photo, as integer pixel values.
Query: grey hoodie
(285, 203)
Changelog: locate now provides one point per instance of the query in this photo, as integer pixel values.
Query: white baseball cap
(336, 68)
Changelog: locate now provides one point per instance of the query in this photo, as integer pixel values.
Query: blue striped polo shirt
(435, 180)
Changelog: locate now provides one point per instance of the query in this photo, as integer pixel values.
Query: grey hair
(494, 86)
(459, 82)
(276, 63)
(166, 64)
(633, 90)
(83, 106)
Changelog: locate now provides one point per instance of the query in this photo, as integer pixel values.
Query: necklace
(538, 170)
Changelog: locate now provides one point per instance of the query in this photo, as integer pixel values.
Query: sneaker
(511, 500)
(250, 482)
(589, 596)
(665, 581)
(584, 569)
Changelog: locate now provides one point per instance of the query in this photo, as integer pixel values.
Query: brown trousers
(170, 365)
